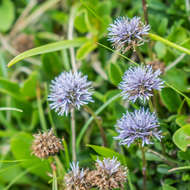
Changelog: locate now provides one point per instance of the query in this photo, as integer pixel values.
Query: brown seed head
(46, 144)
(104, 180)
(76, 178)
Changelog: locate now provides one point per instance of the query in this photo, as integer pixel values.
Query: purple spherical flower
(125, 33)
(69, 90)
(138, 125)
(109, 165)
(139, 82)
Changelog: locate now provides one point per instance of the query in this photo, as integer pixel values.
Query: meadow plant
(145, 100)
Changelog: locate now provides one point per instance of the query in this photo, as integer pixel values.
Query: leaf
(29, 86)
(51, 65)
(108, 153)
(48, 48)
(171, 99)
(160, 49)
(6, 14)
(85, 49)
(182, 120)
(168, 187)
(182, 137)
(114, 73)
(80, 23)
(21, 149)
(177, 78)
(163, 168)
(10, 88)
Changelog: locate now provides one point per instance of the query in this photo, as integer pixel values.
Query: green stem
(73, 132)
(143, 167)
(167, 42)
(40, 110)
(140, 55)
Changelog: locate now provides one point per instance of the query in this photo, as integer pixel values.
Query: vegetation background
(24, 109)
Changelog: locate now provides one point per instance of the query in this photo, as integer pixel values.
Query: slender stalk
(99, 123)
(70, 37)
(140, 55)
(144, 4)
(74, 68)
(73, 135)
(40, 109)
(151, 105)
(144, 167)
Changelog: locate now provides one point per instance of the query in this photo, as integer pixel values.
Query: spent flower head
(69, 90)
(125, 33)
(138, 125)
(46, 144)
(109, 174)
(139, 82)
(76, 178)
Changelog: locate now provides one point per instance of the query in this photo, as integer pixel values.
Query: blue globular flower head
(69, 90)
(109, 165)
(76, 178)
(139, 82)
(125, 33)
(138, 125)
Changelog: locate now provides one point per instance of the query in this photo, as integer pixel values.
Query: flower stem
(140, 55)
(144, 167)
(73, 135)
(99, 124)
(144, 4)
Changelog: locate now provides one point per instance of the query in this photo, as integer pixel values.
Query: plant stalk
(74, 157)
(144, 167)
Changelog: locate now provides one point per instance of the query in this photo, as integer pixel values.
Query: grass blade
(48, 48)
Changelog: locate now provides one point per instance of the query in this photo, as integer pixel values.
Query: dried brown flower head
(109, 174)
(157, 65)
(76, 178)
(45, 144)
(23, 42)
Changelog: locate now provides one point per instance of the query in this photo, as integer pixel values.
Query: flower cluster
(139, 82)
(76, 178)
(46, 144)
(138, 125)
(109, 174)
(69, 90)
(125, 33)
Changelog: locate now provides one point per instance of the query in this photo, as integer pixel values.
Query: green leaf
(182, 137)
(51, 65)
(115, 73)
(10, 88)
(170, 99)
(21, 149)
(163, 168)
(80, 23)
(6, 14)
(182, 120)
(177, 78)
(48, 48)
(29, 86)
(108, 153)
(160, 49)
(85, 49)
(168, 187)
